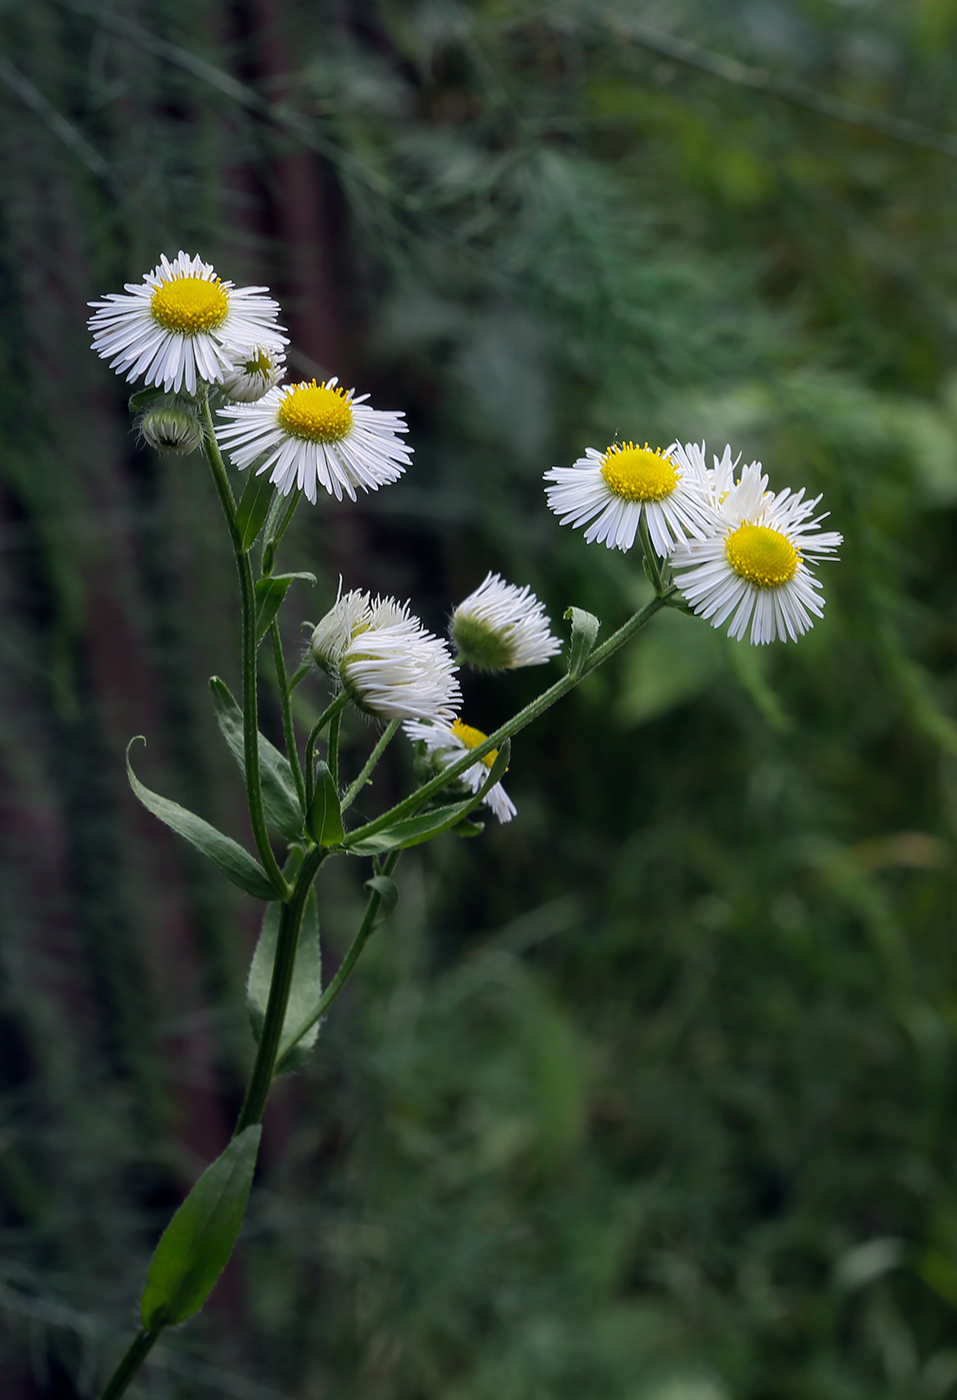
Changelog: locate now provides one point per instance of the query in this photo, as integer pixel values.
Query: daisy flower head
(754, 567)
(180, 326)
(389, 665)
(253, 371)
(447, 742)
(311, 435)
(500, 626)
(609, 492)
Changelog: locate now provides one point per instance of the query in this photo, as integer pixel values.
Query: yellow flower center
(637, 473)
(761, 555)
(471, 738)
(313, 412)
(190, 305)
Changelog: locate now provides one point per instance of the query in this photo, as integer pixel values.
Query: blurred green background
(650, 1095)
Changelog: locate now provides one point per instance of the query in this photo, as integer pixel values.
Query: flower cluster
(739, 553)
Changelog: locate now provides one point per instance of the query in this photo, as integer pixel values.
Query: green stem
(249, 649)
(351, 957)
(136, 1353)
(652, 563)
(353, 790)
(287, 942)
(289, 729)
(328, 714)
(299, 674)
(512, 726)
(272, 541)
(333, 751)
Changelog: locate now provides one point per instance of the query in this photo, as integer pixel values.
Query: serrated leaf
(143, 398)
(225, 853)
(196, 1244)
(585, 627)
(280, 799)
(253, 508)
(306, 983)
(324, 820)
(413, 831)
(270, 592)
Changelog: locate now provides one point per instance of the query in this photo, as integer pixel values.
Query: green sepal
(324, 819)
(143, 398)
(196, 1244)
(306, 984)
(280, 799)
(253, 508)
(225, 853)
(270, 592)
(413, 831)
(585, 627)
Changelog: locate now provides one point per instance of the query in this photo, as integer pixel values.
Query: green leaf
(253, 508)
(270, 592)
(225, 853)
(144, 397)
(197, 1242)
(324, 821)
(306, 983)
(280, 799)
(387, 890)
(427, 825)
(585, 627)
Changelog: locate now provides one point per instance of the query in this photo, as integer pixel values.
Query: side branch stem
(289, 729)
(136, 1353)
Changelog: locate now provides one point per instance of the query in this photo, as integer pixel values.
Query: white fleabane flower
(753, 568)
(180, 326)
(447, 742)
(253, 371)
(610, 491)
(501, 626)
(311, 435)
(351, 614)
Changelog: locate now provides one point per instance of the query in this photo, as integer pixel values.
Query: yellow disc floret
(316, 413)
(638, 473)
(471, 738)
(761, 555)
(190, 305)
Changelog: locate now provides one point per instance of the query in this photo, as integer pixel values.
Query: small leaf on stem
(585, 627)
(324, 820)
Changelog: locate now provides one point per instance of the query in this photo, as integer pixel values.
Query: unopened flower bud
(501, 626)
(171, 429)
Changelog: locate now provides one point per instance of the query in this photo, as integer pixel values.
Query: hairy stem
(353, 790)
(288, 728)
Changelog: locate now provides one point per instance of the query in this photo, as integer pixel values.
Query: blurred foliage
(647, 1095)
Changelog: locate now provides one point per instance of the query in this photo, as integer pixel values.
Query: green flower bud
(171, 429)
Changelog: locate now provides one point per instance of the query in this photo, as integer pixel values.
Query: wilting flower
(753, 566)
(447, 742)
(610, 491)
(317, 434)
(180, 326)
(386, 661)
(253, 371)
(501, 626)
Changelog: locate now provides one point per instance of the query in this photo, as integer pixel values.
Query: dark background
(649, 1095)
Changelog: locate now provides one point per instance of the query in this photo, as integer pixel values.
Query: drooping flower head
(387, 662)
(253, 371)
(313, 435)
(447, 742)
(181, 325)
(753, 568)
(501, 626)
(610, 491)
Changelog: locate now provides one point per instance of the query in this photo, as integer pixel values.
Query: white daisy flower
(609, 491)
(180, 326)
(448, 742)
(311, 434)
(501, 626)
(253, 371)
(753, 568)
(387, 662)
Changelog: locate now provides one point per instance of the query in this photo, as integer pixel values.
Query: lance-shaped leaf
(225, 853)
(253, 508)
(585, 627)
(306, 983)
(197, 1242)
(412, 831)
(270, 591)
(324, 821)
(280, 799)
(143, 398)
